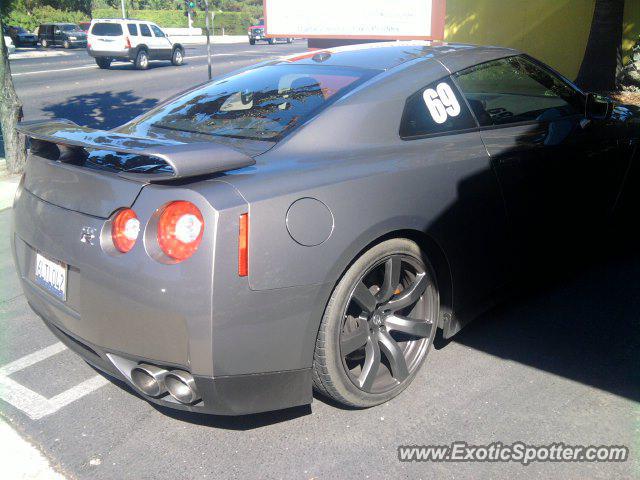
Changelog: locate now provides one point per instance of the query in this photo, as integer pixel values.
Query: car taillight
(125, 228)
(127, 42)
(180, 230)
(243, 245)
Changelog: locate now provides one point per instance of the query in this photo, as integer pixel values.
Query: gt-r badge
(88, 235)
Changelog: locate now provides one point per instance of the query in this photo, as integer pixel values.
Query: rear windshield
(107, 29)
(70, 28)
(259, 104)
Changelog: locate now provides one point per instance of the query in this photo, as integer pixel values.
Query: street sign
(356, 19)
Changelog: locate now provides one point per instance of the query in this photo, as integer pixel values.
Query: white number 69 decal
(442, 103)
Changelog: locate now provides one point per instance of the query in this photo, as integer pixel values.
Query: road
(556, 364)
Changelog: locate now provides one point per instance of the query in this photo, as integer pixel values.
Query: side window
(438, 108)
(157, 32)
(514, 90)
(133, 29)
(144, 30)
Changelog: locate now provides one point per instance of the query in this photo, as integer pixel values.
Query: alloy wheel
(388, 323)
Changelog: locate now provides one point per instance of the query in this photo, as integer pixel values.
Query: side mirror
(597, 107)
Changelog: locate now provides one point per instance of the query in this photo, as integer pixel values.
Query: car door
(147, 39)
(438, 128)
(162, 43)
(560, 172)
(57, 35)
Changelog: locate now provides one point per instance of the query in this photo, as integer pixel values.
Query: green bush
(234, 23)
(42, 15)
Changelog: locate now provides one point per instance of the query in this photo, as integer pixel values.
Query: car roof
(120, 20)
(388, 55)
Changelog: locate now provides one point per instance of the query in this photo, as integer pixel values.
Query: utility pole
(124, 13)
(209, 31)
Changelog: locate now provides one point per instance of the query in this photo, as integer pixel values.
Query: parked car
(67, 35)
(312, 220)
(21, 37)
(257, 33)
(11, 48)
(136, 41)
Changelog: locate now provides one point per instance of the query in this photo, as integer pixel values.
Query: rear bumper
(128, 54)
(230, 395)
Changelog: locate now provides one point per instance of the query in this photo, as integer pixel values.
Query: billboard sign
(356, 19)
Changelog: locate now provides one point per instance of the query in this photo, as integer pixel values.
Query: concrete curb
(20, 460)
(8, 186)
(38, 54)
(202, 39)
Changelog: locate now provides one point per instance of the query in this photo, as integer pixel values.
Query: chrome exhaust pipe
(149, 379)
(181, 386)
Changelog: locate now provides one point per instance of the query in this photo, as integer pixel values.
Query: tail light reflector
(125, 228)
(180, 230)
(243, 246)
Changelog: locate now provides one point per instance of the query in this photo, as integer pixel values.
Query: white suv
(135, 41)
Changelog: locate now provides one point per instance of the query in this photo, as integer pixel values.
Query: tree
(603, 57)
(10, 114)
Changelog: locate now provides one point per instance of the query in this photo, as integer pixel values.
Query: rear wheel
(252, 41)
(271, 41)
(66, 44)
(142, 60)
(378, 326)
(103, 63)
(44, 43)
(177, 58)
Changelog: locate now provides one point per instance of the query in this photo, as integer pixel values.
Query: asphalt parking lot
(559, 363)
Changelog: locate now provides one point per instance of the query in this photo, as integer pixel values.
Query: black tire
(66, 44)
(177, 57)
(142, 60)
(252, 41)
(332, 374)
(104, 63)
(271, 41)
(289, 40)
(44, 43)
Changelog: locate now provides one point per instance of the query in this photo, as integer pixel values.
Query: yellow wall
(554, 31)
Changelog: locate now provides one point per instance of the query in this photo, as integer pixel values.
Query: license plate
(52, 276)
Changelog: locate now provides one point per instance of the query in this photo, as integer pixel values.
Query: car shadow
(104, 110)
(582, 325)
(153, 64)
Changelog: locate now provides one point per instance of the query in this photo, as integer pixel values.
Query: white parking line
(32, 403)
(32, 358)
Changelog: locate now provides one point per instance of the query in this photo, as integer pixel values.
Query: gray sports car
(309, 222)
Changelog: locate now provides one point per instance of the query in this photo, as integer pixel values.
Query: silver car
(309, 222)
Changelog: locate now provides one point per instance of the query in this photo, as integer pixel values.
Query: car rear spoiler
(185, 159)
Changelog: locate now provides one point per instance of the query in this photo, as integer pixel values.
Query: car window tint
(133, 29)
(514, 90)
(107, 29)
(260, 104)
(437, 108)
(144, 30)
(157, 32)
